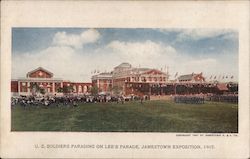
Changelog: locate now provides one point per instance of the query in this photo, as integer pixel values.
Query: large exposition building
(44, 80)
(129, 80)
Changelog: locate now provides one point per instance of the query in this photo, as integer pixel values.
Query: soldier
(141, 99)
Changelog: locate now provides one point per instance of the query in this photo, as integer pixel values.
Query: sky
(76, 53)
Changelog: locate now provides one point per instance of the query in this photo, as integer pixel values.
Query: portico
(28, 86)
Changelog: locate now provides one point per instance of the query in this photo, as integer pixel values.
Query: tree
(42, 91)
(117, 90)
(36, 89)
(110, 88)
(67, 89)
(60, 90)
(94, 90)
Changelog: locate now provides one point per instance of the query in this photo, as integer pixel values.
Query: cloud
(202, 62)
(75, 40)
(143, 53)
(55, 58)
(169, 30)
(200, 65)
(199, 34)
(147, 48)
(231, 36)
(69, 63)
(65, 59)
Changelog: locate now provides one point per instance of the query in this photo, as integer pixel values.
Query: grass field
(151, 116)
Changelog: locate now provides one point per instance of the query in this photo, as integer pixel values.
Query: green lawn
(152, 116)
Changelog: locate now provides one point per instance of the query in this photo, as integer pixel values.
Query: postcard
(131, 79)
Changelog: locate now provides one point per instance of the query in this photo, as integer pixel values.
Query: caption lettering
(114, 146)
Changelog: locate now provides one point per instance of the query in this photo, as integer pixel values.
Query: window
(143, 79)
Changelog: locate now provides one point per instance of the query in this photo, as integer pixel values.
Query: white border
(125, 14)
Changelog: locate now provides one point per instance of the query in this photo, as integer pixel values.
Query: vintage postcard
(142, 84)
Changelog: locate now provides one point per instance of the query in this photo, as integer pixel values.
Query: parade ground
(133, 116)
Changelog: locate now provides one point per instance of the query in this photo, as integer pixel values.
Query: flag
(176, 74)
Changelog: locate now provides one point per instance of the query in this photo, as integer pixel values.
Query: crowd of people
(74, 101)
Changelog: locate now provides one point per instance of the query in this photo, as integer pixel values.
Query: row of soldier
(199, 99)
(230, 98)
(189, 99)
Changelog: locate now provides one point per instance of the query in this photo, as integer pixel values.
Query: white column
(28, 87)
(85, 89)
(61, 85)
(53, 87)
